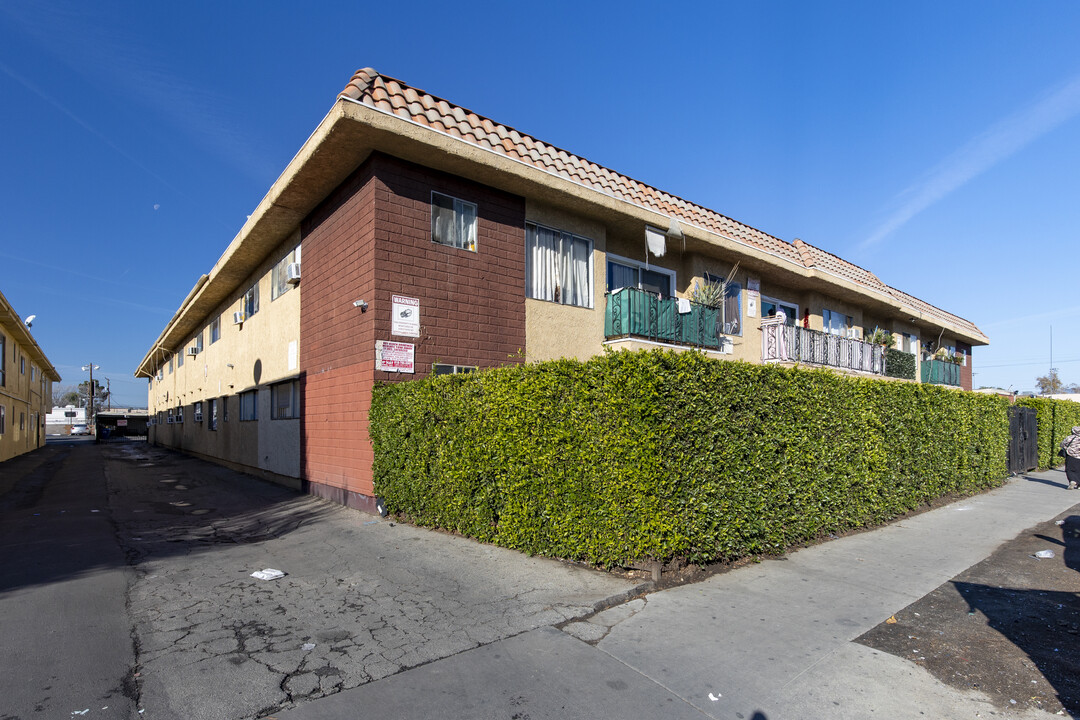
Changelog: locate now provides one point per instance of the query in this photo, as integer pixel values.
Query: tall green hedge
(899, 364)
(1056, 419)
(657, 455)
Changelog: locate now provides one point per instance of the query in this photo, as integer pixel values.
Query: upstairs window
(771, 308)
(170, 366)
(453, 222)
(558, 266)
(198, 343)
(279, 276)
(22, 364)
(623, 273)
(3, 360)
(251, 301)
(836, 323)
(180, 359)
(730, 306)
(215, 330)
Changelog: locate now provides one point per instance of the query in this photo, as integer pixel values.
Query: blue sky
(935, 144)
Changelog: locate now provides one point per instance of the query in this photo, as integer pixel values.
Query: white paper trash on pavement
(267, 574)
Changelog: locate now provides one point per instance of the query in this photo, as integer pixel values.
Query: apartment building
(26, 380)
(411, 236)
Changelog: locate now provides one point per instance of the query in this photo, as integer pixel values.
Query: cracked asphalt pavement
(133, 593)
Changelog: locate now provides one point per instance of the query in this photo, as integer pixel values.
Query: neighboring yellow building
(26, 379)
(436, 240)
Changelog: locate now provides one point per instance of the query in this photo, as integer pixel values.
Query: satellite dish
(30, 320)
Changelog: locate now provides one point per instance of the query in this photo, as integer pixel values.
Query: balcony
(635, 313)
(785, 343)
(939, 372)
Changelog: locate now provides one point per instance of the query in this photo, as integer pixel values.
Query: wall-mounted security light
(362, 304)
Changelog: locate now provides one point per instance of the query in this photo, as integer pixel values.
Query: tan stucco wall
(25, 401)
(554, 330)
(249, 356)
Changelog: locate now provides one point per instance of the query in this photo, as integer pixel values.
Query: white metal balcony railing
(786, 343)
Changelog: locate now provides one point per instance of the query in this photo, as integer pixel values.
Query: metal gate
(1023, 439)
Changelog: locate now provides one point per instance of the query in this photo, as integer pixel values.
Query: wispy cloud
(82, 38)
(82, 123)
(1001, 140)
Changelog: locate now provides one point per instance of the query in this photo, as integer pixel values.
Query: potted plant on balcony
(882, 337)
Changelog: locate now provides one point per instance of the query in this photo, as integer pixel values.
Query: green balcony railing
(635, 313)
(939, 372)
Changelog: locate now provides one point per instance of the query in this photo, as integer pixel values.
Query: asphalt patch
(1008, 626)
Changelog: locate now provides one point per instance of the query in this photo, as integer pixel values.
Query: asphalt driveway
(166, 565)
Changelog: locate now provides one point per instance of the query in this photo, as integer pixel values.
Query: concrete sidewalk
(766, 642)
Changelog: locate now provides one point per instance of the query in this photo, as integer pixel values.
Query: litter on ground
(267, 574)
(1044, 554)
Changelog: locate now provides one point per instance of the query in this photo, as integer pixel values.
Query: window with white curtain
(836, 323)
(558, 266)
(453, 222)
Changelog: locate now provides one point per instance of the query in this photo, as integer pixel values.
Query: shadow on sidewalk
(76, 509)
(1063, 484)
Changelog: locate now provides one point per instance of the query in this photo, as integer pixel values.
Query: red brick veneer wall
(372, 239)
(966, 368)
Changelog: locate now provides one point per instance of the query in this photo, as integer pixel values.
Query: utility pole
(90, 394)
(108, 392)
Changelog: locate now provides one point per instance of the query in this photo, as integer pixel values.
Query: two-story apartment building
(436, 240)
(26, 378)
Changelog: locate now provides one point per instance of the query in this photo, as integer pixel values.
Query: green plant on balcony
(713, 293)
(882, 337)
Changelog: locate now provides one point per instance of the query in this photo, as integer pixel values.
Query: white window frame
(447, 369)
(249, 304)
(211, 423)
(555, 294)
(180, 359)
(457, 208)
(793, 319)
(638, 265)
(849, 330)
(279, 284)
(215, 329)
(736, 296)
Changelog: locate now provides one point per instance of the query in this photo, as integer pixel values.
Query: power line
(1033, 362)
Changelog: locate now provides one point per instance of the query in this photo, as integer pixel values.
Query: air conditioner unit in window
(193, 350)
(239, 317)
(292, 273)
(198, 417)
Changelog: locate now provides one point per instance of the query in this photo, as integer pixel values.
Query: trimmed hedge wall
(1056, 419)
(899, 364)
(638, 455)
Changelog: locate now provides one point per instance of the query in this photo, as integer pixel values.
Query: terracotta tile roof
(393, 96)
